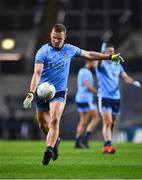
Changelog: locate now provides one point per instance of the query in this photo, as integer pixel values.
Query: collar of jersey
(57, 49)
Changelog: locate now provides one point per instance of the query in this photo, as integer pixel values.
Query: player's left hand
(137, 84)
(117, 58)
(28, 100)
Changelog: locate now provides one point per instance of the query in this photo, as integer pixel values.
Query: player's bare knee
(85, 123)
(54, 123)
(82, 124)
(107, 124)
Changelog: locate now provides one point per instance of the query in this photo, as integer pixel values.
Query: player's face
(91, 64)
(57, 39)
(110, 50)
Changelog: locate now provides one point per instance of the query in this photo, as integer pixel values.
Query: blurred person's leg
(90, 127)
(105, 108)
(84, 117)
(114, 120)
(107, 125)
(108, 130)
(115, 113)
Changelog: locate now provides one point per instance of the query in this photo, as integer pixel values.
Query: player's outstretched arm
(130, 80)
(100, 56)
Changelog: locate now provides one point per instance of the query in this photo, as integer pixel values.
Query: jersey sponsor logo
(60, 64)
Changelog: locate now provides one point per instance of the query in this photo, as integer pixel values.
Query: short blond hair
(59, 28)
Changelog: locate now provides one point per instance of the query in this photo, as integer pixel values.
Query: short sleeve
(40, 57)
(121, 69)
(85, 75)
(76, 50)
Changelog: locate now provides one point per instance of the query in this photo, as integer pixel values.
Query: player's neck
(56, 48)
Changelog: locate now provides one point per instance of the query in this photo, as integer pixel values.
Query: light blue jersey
(108, 79)
(83, 95)
(56, 64)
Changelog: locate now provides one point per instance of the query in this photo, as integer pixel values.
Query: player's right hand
(117, 58)
(28, 100)
(137, 84)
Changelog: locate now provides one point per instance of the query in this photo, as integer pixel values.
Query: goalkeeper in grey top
(52, 63)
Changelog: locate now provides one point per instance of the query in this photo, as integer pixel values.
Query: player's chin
(56, 45)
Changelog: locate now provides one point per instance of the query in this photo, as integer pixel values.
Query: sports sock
(78, 139)
(107, 143)
(50, 148)
(86, 136)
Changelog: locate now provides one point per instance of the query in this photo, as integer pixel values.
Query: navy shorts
(109, 105)
(44, 105)
(86, 106)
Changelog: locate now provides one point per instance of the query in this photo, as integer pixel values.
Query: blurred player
(86, 106)
(108, 74)
(52, 63)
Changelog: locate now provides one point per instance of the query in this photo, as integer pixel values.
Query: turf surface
(22, 159)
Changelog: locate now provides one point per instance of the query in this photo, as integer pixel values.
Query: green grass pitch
(22, 160)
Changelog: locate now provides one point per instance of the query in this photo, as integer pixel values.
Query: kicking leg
(52, 139)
